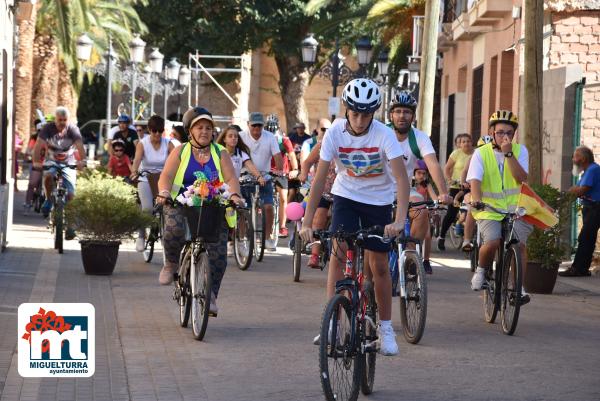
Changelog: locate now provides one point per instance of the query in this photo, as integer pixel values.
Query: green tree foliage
(92, 102)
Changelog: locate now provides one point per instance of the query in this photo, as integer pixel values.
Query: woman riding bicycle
(197, 155)
(363, 192)
(150, 156)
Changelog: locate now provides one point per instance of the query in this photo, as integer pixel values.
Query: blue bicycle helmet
(123, 118)
(361, 95)
(404, 99)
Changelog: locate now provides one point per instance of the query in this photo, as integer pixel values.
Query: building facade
(482, 46)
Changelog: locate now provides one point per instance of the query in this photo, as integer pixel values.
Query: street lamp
(156, 66)
(185, 75)
(382, 69)
(136, 55)
(84, 51)
(336, 70)
(383, 63)
(171, 75)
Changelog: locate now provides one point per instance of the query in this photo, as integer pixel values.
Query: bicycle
(503, 287)
(153, 233)
(59, 200)
(243, 239)
(408, 273)
(193, 279)
(299, 248)
(436, 216)
(348, 338)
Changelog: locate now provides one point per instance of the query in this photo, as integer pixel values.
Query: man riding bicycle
(61, 139)
(263, 146)
(496, 172)
(416, 145)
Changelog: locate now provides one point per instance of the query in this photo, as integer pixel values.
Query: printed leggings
(174, 240)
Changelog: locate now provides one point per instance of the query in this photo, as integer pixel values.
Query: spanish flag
(539, 213)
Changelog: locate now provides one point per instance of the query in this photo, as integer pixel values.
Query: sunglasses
(118, 150)
(504, 133)
(154, 131)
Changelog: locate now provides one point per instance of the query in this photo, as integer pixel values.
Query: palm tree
(390, 20)
(57, 75)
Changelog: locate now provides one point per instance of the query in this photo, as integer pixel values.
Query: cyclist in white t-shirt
(364, 151)
(416, 145)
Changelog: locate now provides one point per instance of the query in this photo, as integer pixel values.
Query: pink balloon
(294, 211)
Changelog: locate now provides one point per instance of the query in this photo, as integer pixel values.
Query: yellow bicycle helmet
(504, 116)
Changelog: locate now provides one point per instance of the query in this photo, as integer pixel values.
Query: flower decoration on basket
(205, 191)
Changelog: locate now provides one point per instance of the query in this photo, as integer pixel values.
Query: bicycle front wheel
(413, 305)
(243, 240)
(183, 291)
(455, 239)
(297, 257)
(510, 301)
(151, 235)
(58, 227)
(201, 280)
(491, 293)
(259, 219)
(474, 256)
(340, 372)
(275, 230)
(369, 334)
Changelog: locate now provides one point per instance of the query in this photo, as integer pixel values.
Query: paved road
(259, 348)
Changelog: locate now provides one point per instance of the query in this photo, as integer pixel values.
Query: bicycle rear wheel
(510, 302)
(491, 293)
(413, 306)
(368, 358)
(57, 216)
(340, 372)
(184, 299)
(243, 240)
(259, 219)
(297, 257)
(201, 280)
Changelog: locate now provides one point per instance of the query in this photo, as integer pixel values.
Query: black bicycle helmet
(404, 99)
(193, 115)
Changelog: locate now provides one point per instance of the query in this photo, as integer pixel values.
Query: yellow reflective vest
(184, 156)
(499, 192)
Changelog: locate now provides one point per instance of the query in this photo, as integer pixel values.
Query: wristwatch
(508, 154)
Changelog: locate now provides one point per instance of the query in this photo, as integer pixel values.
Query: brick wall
(576, 40)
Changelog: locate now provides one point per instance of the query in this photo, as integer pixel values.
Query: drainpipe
(576, 143)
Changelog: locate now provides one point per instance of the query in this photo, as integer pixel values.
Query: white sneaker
(270, 245)
(213, 309)
(140, 244)
(478, 279)
(387, 341)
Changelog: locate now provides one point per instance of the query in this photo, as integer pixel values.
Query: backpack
(412, 142)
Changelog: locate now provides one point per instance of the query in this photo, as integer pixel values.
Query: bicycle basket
(205, 222)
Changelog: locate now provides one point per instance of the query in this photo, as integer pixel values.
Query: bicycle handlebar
(60, 166)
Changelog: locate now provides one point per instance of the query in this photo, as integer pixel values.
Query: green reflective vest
(184, 156)
(499, 192)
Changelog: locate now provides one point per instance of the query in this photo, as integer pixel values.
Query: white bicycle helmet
(361, 95)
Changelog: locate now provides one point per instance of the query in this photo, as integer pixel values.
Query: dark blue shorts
(266, 193)
(352, 216)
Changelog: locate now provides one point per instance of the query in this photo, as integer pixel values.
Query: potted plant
(103, 213)
(546, 248)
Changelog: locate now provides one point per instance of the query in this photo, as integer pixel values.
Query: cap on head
(192, 116)
(256, 118)
(300, 125)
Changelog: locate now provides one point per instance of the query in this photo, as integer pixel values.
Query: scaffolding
(198, 69)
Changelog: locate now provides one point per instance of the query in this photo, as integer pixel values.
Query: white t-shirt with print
(410, 160)
(362, 162)
(238, 159)
(476, 167)
(261, 149)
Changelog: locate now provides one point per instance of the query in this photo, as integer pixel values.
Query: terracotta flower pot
(538, 279)
(99, 257)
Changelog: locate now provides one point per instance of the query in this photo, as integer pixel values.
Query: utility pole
(531, 121)
(428, 66)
